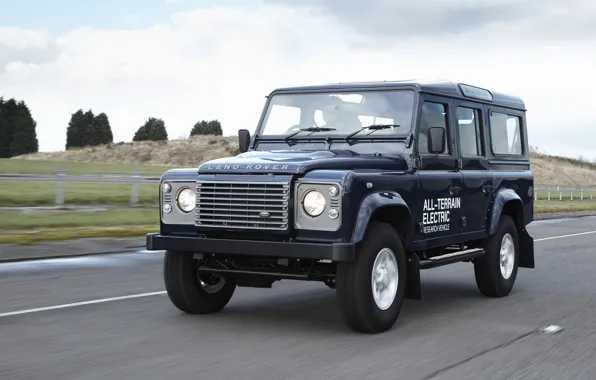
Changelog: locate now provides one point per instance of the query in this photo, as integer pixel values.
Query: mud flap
(413, 287)
(526, 249)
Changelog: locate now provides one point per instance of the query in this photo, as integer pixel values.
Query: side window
(433, 115)
(505, 134)
(470, 137)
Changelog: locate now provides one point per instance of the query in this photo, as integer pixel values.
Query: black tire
(487, 269)
(355, 290)
(184, 287)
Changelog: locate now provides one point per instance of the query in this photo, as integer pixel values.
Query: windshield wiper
(373, 127)
(310, 129)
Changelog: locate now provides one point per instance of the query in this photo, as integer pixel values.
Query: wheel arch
(507, 202)
(387, 207)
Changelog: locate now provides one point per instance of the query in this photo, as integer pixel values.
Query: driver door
(439, 211)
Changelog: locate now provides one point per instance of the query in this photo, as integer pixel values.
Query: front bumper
(338, 252)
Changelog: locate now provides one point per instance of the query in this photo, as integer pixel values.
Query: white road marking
(551, 329)
(565, 236)
(68, 305)
(141, 295)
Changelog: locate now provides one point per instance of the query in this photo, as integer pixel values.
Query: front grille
(243, 205)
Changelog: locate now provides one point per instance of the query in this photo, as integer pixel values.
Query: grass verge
(34, 227)
(60, 234)
(544, 207)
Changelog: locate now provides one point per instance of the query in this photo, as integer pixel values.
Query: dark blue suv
(359, 186)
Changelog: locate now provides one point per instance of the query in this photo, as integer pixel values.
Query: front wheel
(191, 292)
(371, 290)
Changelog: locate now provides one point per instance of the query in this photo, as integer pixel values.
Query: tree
(103, 131)
(86, 129)
(18, 133)
(5, 130)
(153, 130)
(75, 130)
(203, 127)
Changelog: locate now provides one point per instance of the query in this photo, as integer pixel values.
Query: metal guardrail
(61, 178)
(560, 193)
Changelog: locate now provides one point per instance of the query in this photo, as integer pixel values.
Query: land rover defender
(358, 186)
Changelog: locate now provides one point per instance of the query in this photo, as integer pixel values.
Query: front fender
(501, 198)
(370, 204)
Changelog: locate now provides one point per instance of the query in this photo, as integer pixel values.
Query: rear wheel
(496, 270)
(371, 290)
(191, 292)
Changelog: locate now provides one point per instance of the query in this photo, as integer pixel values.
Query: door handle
(487, 187)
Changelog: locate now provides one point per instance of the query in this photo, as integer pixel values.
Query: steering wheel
(296, 127)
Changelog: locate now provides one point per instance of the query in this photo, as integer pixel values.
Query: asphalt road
(293, 331)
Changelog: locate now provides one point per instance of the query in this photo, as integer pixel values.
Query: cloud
(221, 62)
(30, 46)
(543, 20)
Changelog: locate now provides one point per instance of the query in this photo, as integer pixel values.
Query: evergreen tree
(89, 137)
(153, 129)
(75, 130)
(24, 135)
(203, 127)
(17, 129)
(5, 131)
(103, 129)
(86, 129)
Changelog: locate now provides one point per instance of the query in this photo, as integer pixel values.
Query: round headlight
(165, 187)
(314, 203)
(187, 200)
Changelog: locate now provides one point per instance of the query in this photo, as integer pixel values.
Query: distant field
(153, 157)
(21, 166)
(33, 193)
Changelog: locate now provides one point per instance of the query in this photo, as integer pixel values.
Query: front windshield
(345, 112)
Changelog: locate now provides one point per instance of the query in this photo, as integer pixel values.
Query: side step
(451, 258)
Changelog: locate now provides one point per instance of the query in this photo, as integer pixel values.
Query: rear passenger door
(470, 123)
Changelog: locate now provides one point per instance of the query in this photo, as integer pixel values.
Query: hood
(300, 162)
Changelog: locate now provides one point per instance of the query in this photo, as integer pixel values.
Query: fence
(563, 193)
(61, 178)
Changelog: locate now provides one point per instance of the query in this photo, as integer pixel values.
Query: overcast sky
(187, 60)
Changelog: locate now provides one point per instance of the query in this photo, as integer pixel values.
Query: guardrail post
(536, 194)
(581, 194)
(560, 193)
(60, 181)
(134, 198)
(548, 188)
(572, 193)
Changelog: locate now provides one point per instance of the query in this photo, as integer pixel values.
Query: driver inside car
(337, 115)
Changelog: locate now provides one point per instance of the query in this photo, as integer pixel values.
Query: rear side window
(505, 134)
(468, 122)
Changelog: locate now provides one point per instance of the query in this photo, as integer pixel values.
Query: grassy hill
(154, 157)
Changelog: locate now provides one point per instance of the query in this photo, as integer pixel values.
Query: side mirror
(436, 140)
(243, 140)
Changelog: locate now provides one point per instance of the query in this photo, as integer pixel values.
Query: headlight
(314, 203)
(186, 199)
